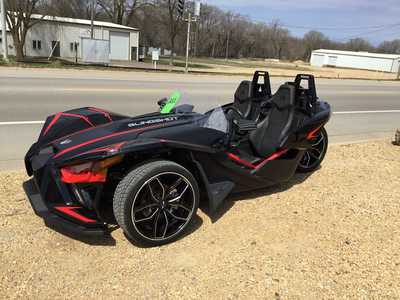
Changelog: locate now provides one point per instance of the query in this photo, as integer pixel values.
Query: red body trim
(241, 161)
(105, 113)
(59, 115)
(259, 165)
(272, 157)
(53, 121)
(78, 132)
(104, 138)
(70, 211)
(313, 133)
(67, 176)
(110, 148)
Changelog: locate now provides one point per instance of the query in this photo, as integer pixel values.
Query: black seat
(250, 95)
(243, 98)
(273, 131)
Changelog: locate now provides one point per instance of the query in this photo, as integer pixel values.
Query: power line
(339, 28)
(370, 32)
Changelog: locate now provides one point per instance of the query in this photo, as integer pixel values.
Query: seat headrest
(244, 91)
(285, 96)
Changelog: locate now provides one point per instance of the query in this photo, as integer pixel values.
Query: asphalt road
(363, 109)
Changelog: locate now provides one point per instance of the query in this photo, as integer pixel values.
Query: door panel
(119, 45)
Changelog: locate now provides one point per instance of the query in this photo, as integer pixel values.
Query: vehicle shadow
(105, 240)
(298, 178)
(196, 224)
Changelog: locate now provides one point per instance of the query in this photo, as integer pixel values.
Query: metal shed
(356, 60)
(63, 37)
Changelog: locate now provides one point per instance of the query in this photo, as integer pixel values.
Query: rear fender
(317, 121)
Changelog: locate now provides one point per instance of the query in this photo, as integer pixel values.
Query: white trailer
(356, 60)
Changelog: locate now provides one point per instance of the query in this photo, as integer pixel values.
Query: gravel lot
(335, 235)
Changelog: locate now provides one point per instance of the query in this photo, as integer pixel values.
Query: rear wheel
(314, 156)
(156, 202)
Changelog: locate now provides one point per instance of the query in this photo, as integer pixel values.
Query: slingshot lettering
(155, 121)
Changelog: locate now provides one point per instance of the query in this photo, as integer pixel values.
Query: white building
(62, 37)
(356, 60)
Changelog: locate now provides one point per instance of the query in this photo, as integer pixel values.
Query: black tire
(142, 203)
(314, 156)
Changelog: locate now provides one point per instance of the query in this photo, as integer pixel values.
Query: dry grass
(332, 235)
(283, 68)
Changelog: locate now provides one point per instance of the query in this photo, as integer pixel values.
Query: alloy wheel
(163, 206)
(313, 156)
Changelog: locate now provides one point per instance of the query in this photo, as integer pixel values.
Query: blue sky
(340, 19)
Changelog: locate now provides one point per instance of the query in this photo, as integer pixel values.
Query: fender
(130, 147)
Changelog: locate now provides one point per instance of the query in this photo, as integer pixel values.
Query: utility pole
(398, 71)
(4, 31)
(92, 8)
(190, 19)
(188, 43)
(227, 45)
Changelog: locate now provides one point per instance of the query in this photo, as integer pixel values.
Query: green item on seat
(171, 103)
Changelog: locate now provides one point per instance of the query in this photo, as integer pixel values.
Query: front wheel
(156, 202)
(314, 156)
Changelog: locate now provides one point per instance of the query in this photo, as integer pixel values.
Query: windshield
(214, 116)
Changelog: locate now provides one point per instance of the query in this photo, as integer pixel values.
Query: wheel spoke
(313, 155)
(175, 185)
(308, 159)
(147, 218)
(319, 141)
(144, 208)
(155, 224)
(180, 196)
(152, 193)
(162, 188)
(166, 224)
(176, 217)
(317, 151)
(181, 206)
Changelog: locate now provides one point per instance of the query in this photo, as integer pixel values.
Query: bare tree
(279, 37)
(173, 21)
(313, 40)
(358, 44)
(121, 11)
(162, 27)
(390, 47)
(19, 20)
(79, 9)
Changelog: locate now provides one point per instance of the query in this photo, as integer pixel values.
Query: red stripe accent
(70, 211)
(59, 115)
(272, 157)
(114, 147)
(261, 164)
(53, 121)
(313, 134)
(78, 132)
(86, 119)
(105, 113)
(104, 138)
(241, 161)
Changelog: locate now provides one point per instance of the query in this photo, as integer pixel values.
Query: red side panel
(71, 211)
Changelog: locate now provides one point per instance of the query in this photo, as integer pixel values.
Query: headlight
(89, 172)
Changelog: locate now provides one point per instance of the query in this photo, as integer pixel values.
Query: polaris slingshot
(92, 168)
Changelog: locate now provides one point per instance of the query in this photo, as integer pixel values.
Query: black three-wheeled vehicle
(91, 167)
